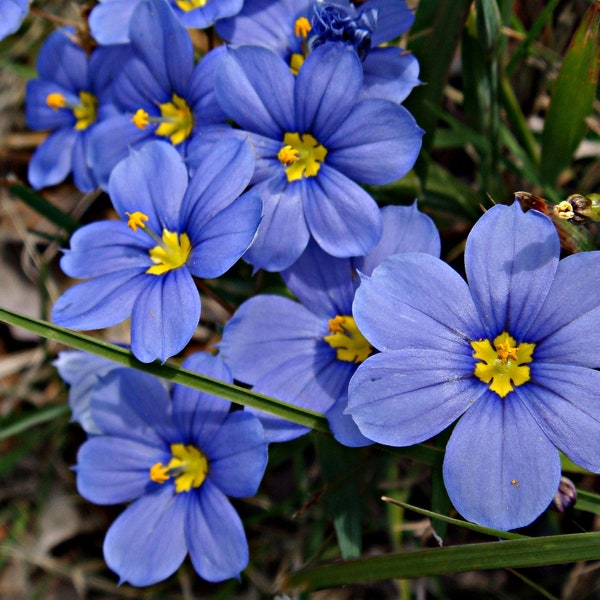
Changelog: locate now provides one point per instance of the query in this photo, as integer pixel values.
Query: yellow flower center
(187, 5)
(302, 27)
(502, 365)
(301, 155)
(172, 249)
(349, 343)
(85, 112)
(188, 466)
(176, 121)
(296, 61)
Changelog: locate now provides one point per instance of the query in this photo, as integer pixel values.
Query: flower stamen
(85, 111)
(188, 466)
(301, 155)
(349, 343)
(175, 122)
(302, 27)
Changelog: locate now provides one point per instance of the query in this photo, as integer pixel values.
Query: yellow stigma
(136, 219)
(177, 120)
(296, 61)
(170, 254)
(188, 466)
(302, 27)
(56, 101)
(349, 343)
(141, 119)
(308, 155)
(502, 365)
(187, 5)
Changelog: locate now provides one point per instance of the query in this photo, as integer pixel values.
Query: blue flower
(513, 354)
(12, 12)
(110, 20)
(69, 97)
(178, 461)
(172, 229)
(158, 93)
(292, 28)
(313, 140)
(306, 352)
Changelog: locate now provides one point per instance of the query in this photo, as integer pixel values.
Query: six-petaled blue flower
(513, 354)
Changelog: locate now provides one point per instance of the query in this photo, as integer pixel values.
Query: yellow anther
(141, 119)
(159, 473)
(296, 61)
(288, 155)
(85, 112)
(502, 365)
(56, 101)
(136, 219)
(187, 5)
(302, 27)
(172, 252)
(349, 343)
(177, 120)
(189, 466)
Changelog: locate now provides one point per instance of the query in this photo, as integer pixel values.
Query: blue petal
(12, 12)
(135, 86)
(265, 332)
(389, 73)
(199, 415)
(201, 95)
(162, 42)
(237, 455)
(378, 143)
(416, 300)
(568, 324)
(133, 405)
(205, 16)
(81, 371)
(109, 21)
(255, 89)
(265, 23)
(146, 543)
(327, 87)
(83, 175)
(343, 427)
(225, 238)
(404, 397)
(62, 61)
(500, 469)
(511, 258)
(405, 229)
(393, 19)
(99, 302)
(283, 233)
(110, 142)
(151, 180)
(106, 247)
(324, 284)
(314, 379)
(111, 470)
(564, 401)
(215, 535)
(51, 162)
(165, 316)
(343, 218)
(220, 176)
(37, 112)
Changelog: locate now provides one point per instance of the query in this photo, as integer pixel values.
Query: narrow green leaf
(489, 24)
(339, 466)
(43, 207)
(588, 502)
(43, 415)
(233, 393)
(573, 96)
(551, 550)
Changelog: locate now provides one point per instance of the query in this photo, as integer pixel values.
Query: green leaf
(551, 550)
(339, 468)
(573, 97)
(236, 394)
(588, 502)
(23, 424)
(43, 207)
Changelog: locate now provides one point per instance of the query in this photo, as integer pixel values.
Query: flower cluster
(260, 149)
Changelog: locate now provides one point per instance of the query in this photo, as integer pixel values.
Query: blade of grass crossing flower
(572, 98)
(550, 550)
(339, 466)
(166, 371)
(588, 502)
(44, 208)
